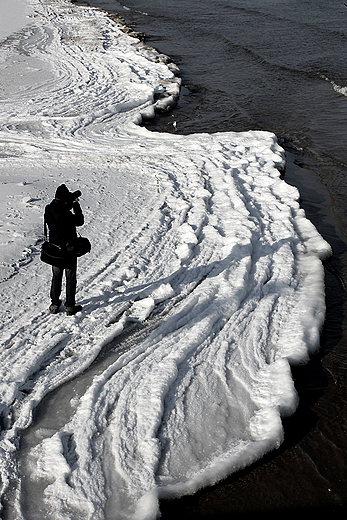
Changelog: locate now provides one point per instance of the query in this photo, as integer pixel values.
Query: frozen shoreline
(198, 230)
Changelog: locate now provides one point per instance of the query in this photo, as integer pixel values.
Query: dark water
(272, 65)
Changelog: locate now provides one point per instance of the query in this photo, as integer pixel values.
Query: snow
(14, 16)
(200, 252)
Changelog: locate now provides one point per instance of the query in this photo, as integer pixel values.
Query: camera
(75, 195)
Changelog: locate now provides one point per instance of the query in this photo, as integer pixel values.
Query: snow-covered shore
(197, 234)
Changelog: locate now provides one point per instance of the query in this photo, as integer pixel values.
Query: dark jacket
(62, 222)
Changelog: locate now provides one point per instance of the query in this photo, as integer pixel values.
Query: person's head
(63, 194)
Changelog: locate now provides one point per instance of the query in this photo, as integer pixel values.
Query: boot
(53, 308)
(71, 311)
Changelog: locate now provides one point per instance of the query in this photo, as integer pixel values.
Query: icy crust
(195, 238)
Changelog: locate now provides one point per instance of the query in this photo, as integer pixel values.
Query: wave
(339, 89)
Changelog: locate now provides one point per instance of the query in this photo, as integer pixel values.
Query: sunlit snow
(198, 246)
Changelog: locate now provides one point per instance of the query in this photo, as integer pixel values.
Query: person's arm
(78, 215)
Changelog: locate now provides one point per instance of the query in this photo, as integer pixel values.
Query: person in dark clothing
(62, 222)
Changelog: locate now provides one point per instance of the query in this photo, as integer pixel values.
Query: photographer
(62, 223)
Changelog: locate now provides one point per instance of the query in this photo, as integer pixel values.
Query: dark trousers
(71, 283)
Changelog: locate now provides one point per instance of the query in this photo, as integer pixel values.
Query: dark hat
(63, 193)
